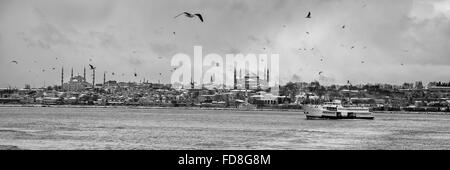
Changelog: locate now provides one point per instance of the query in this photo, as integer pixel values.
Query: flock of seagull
(200, 17)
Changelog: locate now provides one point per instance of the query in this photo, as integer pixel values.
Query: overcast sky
(394, 41)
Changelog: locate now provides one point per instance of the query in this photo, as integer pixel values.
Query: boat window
(331, 108)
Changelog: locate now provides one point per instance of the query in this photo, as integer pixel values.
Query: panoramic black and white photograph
(224, 75)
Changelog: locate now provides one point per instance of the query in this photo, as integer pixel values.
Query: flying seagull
(320, 72)
(343, 27)
(309, 15)
(191, 15)
(15, 62)
(92, 67)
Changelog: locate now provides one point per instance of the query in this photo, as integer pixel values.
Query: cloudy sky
(385, 41)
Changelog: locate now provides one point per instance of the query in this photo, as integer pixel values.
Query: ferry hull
(321, 117)
(317, 112)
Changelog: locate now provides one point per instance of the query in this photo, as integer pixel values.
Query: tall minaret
(84, 74)
(71, 74)
(93, 79)
(62, 77)
(104, 78)
(235, 80)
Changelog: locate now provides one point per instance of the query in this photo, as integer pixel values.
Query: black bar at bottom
(219, 159)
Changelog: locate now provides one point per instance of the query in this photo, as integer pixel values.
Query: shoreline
(406, 112)
(146, 107)
(203, 108)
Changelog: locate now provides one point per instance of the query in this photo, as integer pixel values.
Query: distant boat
(335, 110)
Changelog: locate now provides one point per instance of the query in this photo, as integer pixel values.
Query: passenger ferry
(335, 110)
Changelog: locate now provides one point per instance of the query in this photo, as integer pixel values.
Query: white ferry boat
(335, 110)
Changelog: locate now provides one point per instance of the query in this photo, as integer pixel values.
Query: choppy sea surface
(153, 129)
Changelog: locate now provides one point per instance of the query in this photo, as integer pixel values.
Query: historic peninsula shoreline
(300, 111)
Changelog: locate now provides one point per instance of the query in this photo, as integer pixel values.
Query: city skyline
(345, 40)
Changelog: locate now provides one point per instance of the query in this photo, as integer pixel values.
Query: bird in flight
(307, 33)
(320, 72)
(187, 14)
(92, 67)
(14, 61)
(343, 27)
(135, 74)
(352, 47)
(309, 15)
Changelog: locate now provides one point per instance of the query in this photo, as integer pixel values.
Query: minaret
(265, 73)
(93, 79)
(235, 80)
(62, 77)
(240, 73)
(104, 78)
(84, 74)
(71, 74)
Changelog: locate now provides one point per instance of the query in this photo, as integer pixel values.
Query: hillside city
(433, 97)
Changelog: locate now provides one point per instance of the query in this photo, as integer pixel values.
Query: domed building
(77, 83)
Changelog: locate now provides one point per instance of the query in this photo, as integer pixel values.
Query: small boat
(335, 110)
